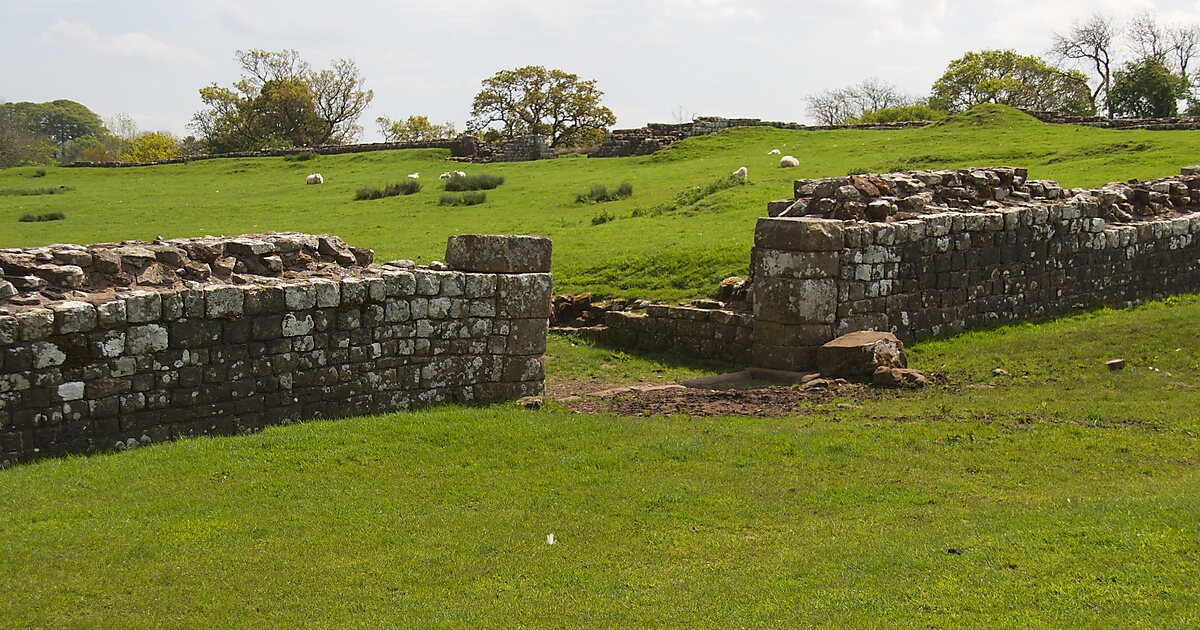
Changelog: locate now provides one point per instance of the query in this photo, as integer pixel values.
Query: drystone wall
(657, 136)
(982, 262)
(1179, 123)
(710, 334)
(463, 147)
(117, 345)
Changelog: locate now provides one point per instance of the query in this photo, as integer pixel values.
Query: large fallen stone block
(860, 354)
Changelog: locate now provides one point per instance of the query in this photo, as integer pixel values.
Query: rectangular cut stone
(795, 301)
(523, 295)
(74, 317)
(800, 234)
(489, 253)
(223, 302)
(771, 263)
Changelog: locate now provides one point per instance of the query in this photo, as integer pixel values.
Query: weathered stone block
(143, 306)
(801, 234)
(486, 253)
(223, 302)
(771, 263)
(146, 339)
(35, 324)
(73, 317)
(795, 301)
(523, 295)
(859, 354)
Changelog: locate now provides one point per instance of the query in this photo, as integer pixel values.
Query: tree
(62, 120)
(534, 100)
(152, 147)
(1146, 89)
(841, 106)
(19, 144)
(281, 100)
(1091, 42)
(1006, 78)
(1147, 38)
(414, 129)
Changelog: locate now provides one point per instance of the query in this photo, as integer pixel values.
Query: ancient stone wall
(711, 334)
(656, 136)
(463, 147)
(981, 262)
(1179, 123)
(117, 345)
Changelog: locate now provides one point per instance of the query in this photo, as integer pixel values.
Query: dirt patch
(769, 402)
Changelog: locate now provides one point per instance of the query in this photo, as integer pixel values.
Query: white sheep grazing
(788, 162)
(774, 152)
(444, 176)
(414, 176)
(459, 174)
(742, 173)
(315, 178)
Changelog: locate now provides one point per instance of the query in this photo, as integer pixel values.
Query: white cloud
(714, 10)
(132, 44)
(903, 21)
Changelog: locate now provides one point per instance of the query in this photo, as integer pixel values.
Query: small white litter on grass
(550, 539)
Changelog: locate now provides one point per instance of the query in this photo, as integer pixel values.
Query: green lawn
(1060, 495)
(679, 254)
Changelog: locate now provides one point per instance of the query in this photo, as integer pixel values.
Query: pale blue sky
(753, 58)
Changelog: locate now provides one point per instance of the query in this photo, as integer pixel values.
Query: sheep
(742, 173)
(315, 178)
(459, 174)
(774, 152)
(414, 176)
(788, 162)
(444, 176)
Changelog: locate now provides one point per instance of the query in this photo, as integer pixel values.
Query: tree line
(1142, 68)
(1099, 66)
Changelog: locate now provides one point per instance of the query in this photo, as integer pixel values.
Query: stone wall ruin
(115, 345)
(928, 253)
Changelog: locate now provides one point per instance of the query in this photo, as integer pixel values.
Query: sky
(653, 59)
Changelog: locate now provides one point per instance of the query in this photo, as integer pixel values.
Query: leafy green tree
(281, 101)
(1146, 89)
(19, 144)
(65, 120)
(534, 100)
(413, 129)
(152, 147)
(1006, 78)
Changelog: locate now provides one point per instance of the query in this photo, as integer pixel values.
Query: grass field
(678, 254)
(1061, 495)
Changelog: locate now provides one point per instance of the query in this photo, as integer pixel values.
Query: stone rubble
(901, 196)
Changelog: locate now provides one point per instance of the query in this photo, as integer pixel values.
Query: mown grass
(678, 254)
(1061, 495)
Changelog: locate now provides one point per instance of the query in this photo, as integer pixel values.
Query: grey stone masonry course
(336, 338)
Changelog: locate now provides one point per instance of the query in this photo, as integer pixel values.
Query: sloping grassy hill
(1064, 495)
(682, 253)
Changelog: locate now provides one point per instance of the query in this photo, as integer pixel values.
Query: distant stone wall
(1179, 123)
(657, 136)
(95, 353)
(464, 146)
(948, 270)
